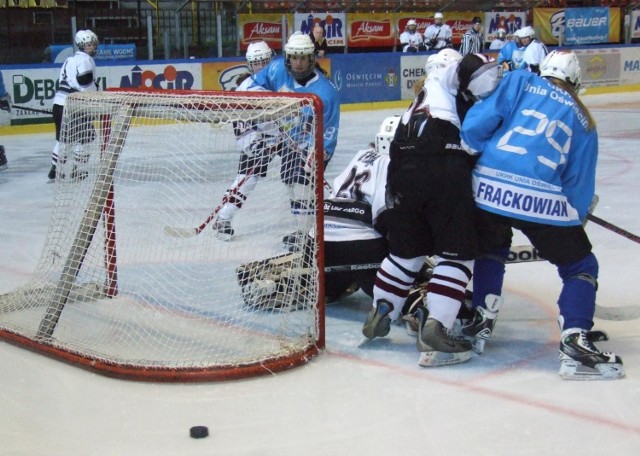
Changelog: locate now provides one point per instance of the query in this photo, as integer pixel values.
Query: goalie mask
(258, 56)
(301, 50)
(386, 134)
(84, 38)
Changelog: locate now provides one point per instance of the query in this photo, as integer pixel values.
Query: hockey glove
(5, 103)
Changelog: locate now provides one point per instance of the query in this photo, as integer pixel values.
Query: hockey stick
(517, 254)
(616, 229)
(179, 232)
(25, 108)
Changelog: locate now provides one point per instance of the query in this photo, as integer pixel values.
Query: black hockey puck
(199, 432)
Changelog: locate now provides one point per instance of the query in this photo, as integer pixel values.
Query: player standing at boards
(298, 73)
(256, 142)
(428, 170)
(411, 40)
(472, 40)
(5, 105)
(438, 35)
(537, 142)
(78, 74)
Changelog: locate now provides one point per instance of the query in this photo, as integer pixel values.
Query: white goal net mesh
(133, 277)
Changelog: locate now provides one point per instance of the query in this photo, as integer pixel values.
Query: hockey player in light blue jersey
(298, 72)
(524, 52)
(538, 146)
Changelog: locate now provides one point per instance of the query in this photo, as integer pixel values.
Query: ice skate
(223, 230)
(78, 174)
(292, 241)
(52, 173)
(479, 330)
(581, 360)
(414, 301)
(3, 159)
(437, 345)
(378, 323)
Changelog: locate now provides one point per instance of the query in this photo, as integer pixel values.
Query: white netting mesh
(126, 277)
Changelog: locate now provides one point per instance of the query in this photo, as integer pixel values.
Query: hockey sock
(577, 299)
(394, 280)
(237, 195)
(54, 154)
(488, 276)
(445, 290)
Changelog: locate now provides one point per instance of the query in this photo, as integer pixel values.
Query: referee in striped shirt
(472, 42)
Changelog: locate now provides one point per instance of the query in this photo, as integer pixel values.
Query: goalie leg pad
(269, 284)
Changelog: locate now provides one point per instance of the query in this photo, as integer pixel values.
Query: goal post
(118, 292)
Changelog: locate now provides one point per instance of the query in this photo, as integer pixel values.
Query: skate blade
(574, 370)
(411, 324)
(435, 358)
(477, 345)
(226, 237)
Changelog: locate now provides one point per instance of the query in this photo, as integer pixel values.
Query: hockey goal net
(133, 282)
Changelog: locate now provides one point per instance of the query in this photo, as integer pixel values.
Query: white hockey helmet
(85, 37)
(300, 45)
(442, 59)
(501, 33)
(386, 134)
(438, 15)
(563, 65)
(412, 23)
(525, 32)
(258, 56)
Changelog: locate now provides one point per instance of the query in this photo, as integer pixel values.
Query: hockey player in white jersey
(541, 181)
(411, 39)
(428, 170)
(257, 143)
(354, 225)
(438, 35)
(78, 74)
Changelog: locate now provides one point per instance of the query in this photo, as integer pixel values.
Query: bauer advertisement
(573, 26)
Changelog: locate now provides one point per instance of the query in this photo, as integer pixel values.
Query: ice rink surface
(356, 398)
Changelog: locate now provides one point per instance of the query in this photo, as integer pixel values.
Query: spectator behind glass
(320, 43)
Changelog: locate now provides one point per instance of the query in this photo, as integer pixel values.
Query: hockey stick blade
(620, 313)
(180, 232)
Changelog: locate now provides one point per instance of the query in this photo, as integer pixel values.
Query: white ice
(355, 398)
